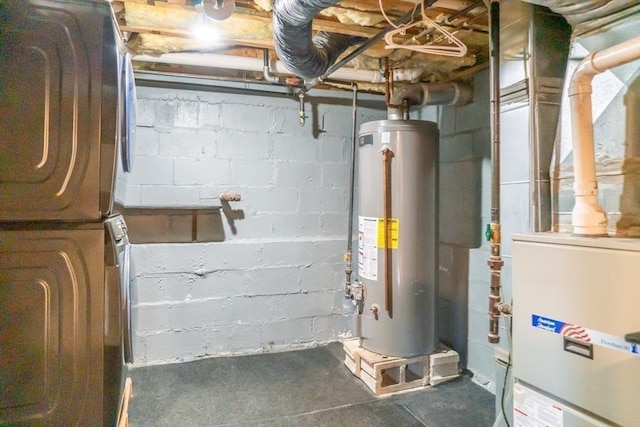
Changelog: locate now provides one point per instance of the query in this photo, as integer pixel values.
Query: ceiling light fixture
(218, 9)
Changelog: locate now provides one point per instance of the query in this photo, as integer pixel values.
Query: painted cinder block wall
(275, 282)
(465, 209)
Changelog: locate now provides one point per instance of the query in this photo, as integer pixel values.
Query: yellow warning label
(393, 231)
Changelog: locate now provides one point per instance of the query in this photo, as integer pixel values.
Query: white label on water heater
(385, 137)
(368, 247)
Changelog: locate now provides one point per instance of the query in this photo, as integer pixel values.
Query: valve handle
(488, 234)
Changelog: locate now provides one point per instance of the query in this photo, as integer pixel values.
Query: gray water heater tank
(407, 326)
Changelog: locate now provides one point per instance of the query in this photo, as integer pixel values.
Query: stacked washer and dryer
(67, 111)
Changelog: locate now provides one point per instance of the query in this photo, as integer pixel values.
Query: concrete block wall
(465, 209)
(275, 282)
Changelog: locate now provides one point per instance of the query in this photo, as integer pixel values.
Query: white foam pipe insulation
(230, 62)
(588, 218)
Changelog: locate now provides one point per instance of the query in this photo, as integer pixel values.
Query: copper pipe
(352, 175)
(387, 155)
(495, 261)
(388, 81)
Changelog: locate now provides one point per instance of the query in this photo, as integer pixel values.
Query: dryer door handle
(126, 305)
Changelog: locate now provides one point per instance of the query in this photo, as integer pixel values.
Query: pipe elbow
(580, 82)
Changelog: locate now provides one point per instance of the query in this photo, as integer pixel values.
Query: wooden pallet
(123, 417)
(390, 374)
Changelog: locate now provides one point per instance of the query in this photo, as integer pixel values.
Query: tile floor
(299, 388)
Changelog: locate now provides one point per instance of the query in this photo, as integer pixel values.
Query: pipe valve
(374, 310)
(229, 197)
(302, 117)
(357, 291)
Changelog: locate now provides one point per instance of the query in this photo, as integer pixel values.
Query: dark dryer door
(117, 338)
(58, 109)
(51, 326)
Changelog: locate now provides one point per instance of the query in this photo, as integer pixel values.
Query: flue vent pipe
(242, 63)
(588, 218)
(453, 93)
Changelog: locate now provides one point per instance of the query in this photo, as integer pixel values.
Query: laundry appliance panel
(60, 110)
(62, 325)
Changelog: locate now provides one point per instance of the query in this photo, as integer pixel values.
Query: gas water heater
(398, 236)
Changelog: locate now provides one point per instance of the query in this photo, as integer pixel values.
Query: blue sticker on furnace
(546, 323)
(590, 336)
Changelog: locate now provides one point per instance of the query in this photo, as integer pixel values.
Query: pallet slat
(390, 374)
(123, 417)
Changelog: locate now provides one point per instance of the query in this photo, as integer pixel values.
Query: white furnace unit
(576, 310)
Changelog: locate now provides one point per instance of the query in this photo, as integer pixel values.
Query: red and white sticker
(536, 410)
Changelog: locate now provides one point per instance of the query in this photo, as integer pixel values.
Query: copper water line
(387, 155)
(493, 234)
(352, 173)
(388, 81)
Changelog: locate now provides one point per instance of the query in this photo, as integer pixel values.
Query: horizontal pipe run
(452, 93)
(230, 62)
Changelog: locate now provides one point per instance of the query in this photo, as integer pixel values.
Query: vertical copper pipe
(495, 261)
(352, 175)
(387, 155)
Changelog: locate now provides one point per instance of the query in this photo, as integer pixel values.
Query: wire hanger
(454, 48)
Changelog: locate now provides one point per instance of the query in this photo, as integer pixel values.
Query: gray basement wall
(465, 204)
(273, 280)
(275, 283)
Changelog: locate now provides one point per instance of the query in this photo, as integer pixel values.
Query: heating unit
(575, 359)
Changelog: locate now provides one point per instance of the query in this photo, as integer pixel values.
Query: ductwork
(589, 15)
(427, 94)
(588, 218)
(303, 55)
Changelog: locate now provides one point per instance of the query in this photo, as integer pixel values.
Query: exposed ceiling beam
(188, 34)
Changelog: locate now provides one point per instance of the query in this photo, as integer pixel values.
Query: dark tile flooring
(299, 388)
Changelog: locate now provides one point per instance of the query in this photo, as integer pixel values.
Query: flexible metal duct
(303, 55)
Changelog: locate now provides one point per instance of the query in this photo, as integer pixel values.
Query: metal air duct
(586, 16)
(304, 55)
